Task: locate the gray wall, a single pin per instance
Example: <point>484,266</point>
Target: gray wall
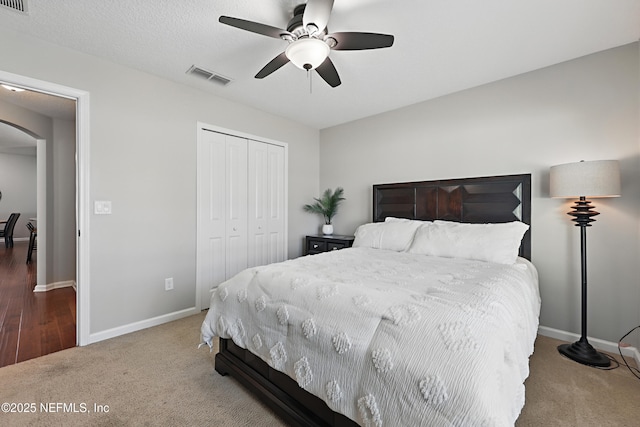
<point>585,109</point>
<point>143,159</point>
<point>63,194</point>
<point>18,186</point>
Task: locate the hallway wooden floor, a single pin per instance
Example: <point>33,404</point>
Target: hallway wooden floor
<point>32,324</point>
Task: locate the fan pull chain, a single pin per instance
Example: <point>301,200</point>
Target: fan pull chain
<point>310,78</point>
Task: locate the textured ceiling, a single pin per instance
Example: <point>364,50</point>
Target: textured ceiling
<point>441,46</point>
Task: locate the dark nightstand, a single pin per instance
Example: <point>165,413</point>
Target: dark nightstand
<point>325,243</point>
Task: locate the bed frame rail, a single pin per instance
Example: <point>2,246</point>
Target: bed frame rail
<point>295,405</point>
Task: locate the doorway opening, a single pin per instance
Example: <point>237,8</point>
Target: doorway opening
<point>80,197</point>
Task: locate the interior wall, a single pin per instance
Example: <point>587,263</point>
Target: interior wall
<point>143,160</point>
<point>585,109</point>
<point>18,187</point>
<point>63,243</point>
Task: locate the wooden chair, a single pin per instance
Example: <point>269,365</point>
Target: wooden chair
<point>7,233</point>
<point>33,241</point>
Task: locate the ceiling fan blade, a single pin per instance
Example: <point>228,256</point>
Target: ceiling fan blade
<point>361,41</point>
<point>272,66</point>
<point>329,73</point>
<point>254,27</point>
<point>317,13</point>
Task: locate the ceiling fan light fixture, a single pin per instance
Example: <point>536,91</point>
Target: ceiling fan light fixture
<point>307,53</point>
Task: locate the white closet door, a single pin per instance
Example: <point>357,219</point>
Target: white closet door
<point>211,252</point>
<point>241,207</point>
<point>276,199</point>
<point>258,204</point>
<point>236,204</point>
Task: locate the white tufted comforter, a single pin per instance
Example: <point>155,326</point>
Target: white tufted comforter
<point>390,338</point>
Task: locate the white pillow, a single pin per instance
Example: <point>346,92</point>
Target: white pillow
<point>497,243</point>
<point>391,235</point>
<point>395,219</point>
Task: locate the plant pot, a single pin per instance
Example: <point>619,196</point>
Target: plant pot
<point>327,229</point>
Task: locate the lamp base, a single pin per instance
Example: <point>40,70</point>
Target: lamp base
<point>582,352</point>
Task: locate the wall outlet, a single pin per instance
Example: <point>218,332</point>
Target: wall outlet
<point>168,283</point>
<point>102,207</point>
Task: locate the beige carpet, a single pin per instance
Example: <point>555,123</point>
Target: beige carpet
<point>561,392</point>
<point>157,377</point>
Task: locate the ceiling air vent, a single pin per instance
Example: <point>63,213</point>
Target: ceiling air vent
<point>208,75</point>
<point>15,5</point>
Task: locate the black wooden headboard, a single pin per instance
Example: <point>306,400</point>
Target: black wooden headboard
<point>476,200</point>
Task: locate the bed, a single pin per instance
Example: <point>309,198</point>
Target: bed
<point>411,333</point>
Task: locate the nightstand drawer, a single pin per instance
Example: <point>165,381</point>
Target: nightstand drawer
<point>314,246</point>
<point>333,246</point>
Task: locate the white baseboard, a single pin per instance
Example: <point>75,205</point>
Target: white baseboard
<point>598,344</point>
<point>56,285</point>
<point>143,324</point>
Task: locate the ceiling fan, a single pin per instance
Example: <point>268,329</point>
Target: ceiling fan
<point>309,40</point>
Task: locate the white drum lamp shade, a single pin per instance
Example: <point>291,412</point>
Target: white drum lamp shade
<point>600,178</point>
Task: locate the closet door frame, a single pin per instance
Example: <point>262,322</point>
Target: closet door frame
<point>204,127</point>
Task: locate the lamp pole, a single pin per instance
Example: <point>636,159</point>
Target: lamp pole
<point>581,351</point>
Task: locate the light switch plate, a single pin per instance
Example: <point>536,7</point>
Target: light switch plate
<point>102,207</point>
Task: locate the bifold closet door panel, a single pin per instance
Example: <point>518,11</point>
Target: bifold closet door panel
<point>212,214</point>
<point>258,190</point>
<point>236,205</point>
<point>266,203</point>
<point>276,214</point>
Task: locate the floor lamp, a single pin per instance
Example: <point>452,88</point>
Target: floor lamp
<point>599,178</point>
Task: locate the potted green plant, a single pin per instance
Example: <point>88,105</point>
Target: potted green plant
<point>327,206</point>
